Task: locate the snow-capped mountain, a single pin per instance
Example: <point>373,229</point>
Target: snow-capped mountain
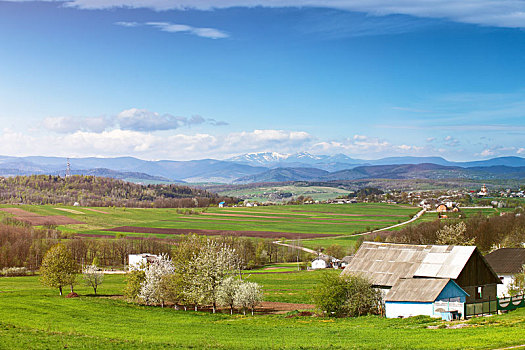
<point>301,159</point>
<point>260,158</point>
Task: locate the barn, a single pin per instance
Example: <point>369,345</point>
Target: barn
<point>407,266</point>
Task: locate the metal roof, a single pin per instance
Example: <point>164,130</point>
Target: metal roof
<point>386,263</point>
<point>506,260</point>
<point>417,289</point>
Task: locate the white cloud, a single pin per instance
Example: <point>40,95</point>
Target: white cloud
<point>487,152</point>
<point>130,119</point>
<point>127,24</point>
<point>360,145</point>
<point>72,124</point>
<point>520,151</point>
<point>502,13</point>
<point>150,145</point>
<point>210,33</point>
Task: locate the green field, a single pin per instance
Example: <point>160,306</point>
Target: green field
<point>317,218</point>
<point>271,193</point>
<point>34,317</point>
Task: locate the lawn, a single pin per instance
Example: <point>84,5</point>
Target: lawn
<point>34,317</point>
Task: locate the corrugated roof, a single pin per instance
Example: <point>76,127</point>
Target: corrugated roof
<point>417,289</point>
<point>386,263</point>
<point>506,260</point>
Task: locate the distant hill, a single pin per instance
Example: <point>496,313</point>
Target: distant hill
<point>266,166</point>
<point>401,171</point>
<point>101,192</point>
<point>284,174</point>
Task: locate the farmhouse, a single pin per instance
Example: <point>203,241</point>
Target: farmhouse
<point>140,261</point>
<point>506,262</point>
<point>320,263</point>
<point>424,296</point>
<point>403,269</point>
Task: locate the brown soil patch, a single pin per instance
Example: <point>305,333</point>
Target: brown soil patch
<point>181,231</point>
<point>96,211</point>
<point>18,212</point>
<point>39,220</point>
<point>49,220</point>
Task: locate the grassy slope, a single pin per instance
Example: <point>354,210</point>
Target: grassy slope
<point>302,219</point>
<point>351,240</point>
<point>36,317</point>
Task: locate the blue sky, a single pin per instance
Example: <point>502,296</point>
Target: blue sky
<point>160,79</point>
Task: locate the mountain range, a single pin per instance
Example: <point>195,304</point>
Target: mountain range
<point>268,167</point>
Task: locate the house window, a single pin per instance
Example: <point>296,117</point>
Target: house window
<point>479,292</point>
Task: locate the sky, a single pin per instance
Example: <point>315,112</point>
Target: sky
<point>187,79</point>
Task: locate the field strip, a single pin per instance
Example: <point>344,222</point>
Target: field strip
<point>71,211</point>
<point>19,212</point>
<point>308,221</point>
<point>96,211</point>
<point>296,213</point>
<point>180,231</point>
<point>417,216</point>
<point>233,221</point>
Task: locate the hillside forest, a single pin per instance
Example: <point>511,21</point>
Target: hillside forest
<point>102,192</point>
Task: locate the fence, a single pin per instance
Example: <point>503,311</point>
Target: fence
<point>493,306</point>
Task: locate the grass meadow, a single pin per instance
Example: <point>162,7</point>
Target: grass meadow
<point>316,219</point>
<point>36,317</point>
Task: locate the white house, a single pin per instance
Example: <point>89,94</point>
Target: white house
<point>221,204</point>
<point>140,261</point>
<point>506,262</point>
<point>319,263</point>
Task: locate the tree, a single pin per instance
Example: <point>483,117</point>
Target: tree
<point>93,276</point>
<point>227,292</point>
<point>454,235</point>
<point>209,267</point>
<point>347,295</point>
<point>172,289</point>
<point>134,279</point>
<point>248,296</point>
<point>518,284</point>
<point>58,268</point>
<point>151,290</point>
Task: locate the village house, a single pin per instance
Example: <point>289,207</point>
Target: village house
<point>506,262</point>
<point>416,279</point>
<point>140,261</point>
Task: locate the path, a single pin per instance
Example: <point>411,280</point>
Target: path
<point>308,250</point>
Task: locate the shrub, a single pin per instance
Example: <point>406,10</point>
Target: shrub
<point>347,295</point>
<point>13,271</point>
<point>134,279</point>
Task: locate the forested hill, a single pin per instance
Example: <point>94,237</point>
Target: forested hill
<point>101,192</point>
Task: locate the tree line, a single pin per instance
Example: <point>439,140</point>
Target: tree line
<point>102,192</point>
<point>487,233</point>
<point>24,246</point>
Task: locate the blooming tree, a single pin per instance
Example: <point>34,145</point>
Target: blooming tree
<point>248,296</point>
<point>227,291</point>
<point>210,266</point>
<point>92,276</point>
<point>152,290</point>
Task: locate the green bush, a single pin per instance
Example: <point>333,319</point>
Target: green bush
<point>347,295</point>
<point>133,279</point>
